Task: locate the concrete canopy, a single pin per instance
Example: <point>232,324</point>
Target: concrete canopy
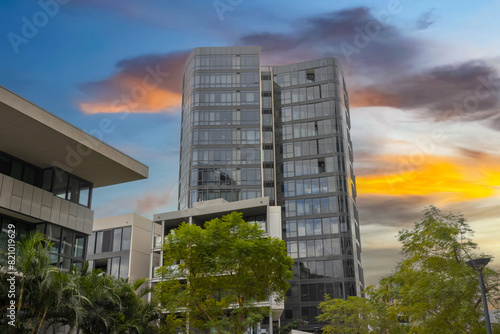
<point>36,136</point>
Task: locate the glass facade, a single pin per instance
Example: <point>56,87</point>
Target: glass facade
<point>282,132</point>
<point>221,134</point>
<point>315,183</point>
<point>60,183</point>
<point>110,251</point>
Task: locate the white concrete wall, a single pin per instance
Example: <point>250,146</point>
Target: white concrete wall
<point>140,243</point>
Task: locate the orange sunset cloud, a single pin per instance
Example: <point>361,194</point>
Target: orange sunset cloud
<point>141,98</point>
<point>456,179</point>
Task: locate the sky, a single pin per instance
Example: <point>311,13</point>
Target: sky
<point>423,81</point>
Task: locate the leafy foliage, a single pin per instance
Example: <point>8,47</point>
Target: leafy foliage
<point>86,301</point>
<point>288,327</point>
<point>215,275</point>
<point>432,288</point>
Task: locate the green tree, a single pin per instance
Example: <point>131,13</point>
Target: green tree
<point>432,285</point>
<point>432,288</point>
<point>354,315</point>
<point>44,295</point>
<point>115,305</point>
<point>213,276</point>
<point>88,301</point>
<point>358,315</point>
<point>290,326</point>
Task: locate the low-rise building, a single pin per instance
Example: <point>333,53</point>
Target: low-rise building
<point>121,245</point>
<point>254,210</point>
<point>48,171</point>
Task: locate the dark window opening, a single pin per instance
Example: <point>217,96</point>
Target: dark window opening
<point>310,76</point>
<point>321,166</point>
<point>67,186</point>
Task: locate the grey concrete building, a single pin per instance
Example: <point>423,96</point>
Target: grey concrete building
<point>48,170</point>
<point>121,246</point>
<point>282,132</point>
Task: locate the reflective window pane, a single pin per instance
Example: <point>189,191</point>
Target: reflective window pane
<point>117,238</point>
<point>126,238</point>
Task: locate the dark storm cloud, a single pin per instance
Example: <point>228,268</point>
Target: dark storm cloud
<point>370,48</point>
<point>270,42</point>
<point>364,42</point>
<point>469,90</point>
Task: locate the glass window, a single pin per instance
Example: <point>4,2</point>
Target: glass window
<point>304,293</point>
<point>115,266</point>
<point>40,228</point>
<point>67,243</point>
<point>117,238</point>
<point>338,290</point>
<point>327,247</point>
<point>302,248</point>
<point>337,269</point>
<point>333,203</point>
<point>316,206</point>
<point>73,190</point>
<point>98,242</point>
<point>54,231</point>
<point>300,207</point>
<point>300,187</point>
<point>29,175</point>
<point>292,249</point>
<point>91,245</point>
<point>47,179</point>
<point>324,205</point>
<point>310,248</point>
<point>107,241</point>
<point>334,221</point>
<point>66,263</point>
<point>308,206</point>
<point>318,246</point>
<point>315,186</point>
<point>336,246</point>
<point>301,228</point>
<point>307,186</point>
<point>291,229</point>
<point>84,198</point>
<point>312,269</point>
<point>326,225</point>
<point>17,170</point>
<point>313,293</point>
<point>79,246</point>
<point>309,227</point>
<point>124,266</point>
<point>4,164</point>
<point>317,226</point>
<point>320,272</point>
<point>126,238</point>
<point>329,272</point>
<point>60,184</point>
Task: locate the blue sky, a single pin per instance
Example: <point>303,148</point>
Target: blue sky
<point>423,86</point>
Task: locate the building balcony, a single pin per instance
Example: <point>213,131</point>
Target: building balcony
<point>38,205</point>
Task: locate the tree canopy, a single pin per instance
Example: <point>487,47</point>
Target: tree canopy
<point>432,289</point>
<point>85,301</point>
<point>213,276</point>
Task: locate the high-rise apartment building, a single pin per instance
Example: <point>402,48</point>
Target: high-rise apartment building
<point>281,132</point>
